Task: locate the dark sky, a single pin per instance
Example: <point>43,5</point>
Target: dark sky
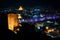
<point>15,3</point>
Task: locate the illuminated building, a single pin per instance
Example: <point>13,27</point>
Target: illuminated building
<point>20,8</point>
<point>12,21</point>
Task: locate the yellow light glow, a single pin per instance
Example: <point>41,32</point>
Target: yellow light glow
<point>18,29</point>
<point>19,16</point>
<point>49,31</point>
<point>47,27</point>
<point>20,8</point>
<point>12,21</point>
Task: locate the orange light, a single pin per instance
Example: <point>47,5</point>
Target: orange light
<point>49,31</point>
<point>12,21</point>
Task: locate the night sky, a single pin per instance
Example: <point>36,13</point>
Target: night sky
<point>15,3</point>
